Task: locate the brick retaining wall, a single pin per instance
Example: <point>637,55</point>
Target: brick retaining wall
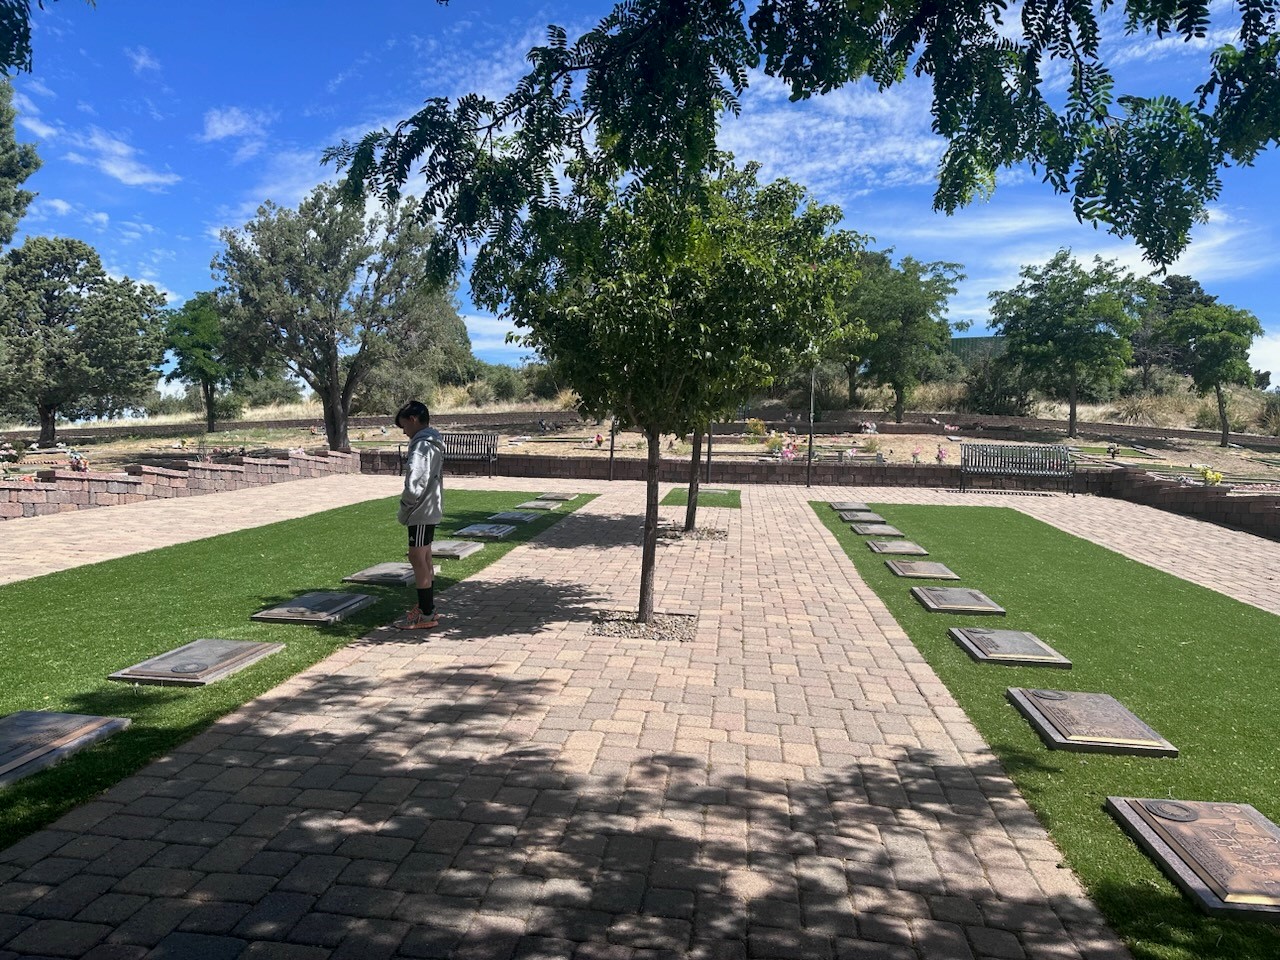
<point>60,490</point>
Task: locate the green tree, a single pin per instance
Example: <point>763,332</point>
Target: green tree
<point>80,344</point>
<point>904,308</point>
<point>1154,344</point>
<point>17,162</point>
<point>666,309</point>
<point>329,290</point>
<point>205,350</point>
<point>436,350</point>
<point>647,86</point>
<point>1066,326</point>
<point>1217,339</point>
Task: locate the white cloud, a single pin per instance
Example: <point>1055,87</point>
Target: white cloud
<point>219,124</point>
<point>118,160</point>
<point>23,103</point>
<point>60,207</point>
<point>489,334</point>
<point>37,86</point>
<point>142,60</point>
<point>98,219</point>
<point>1265,355</point>
<point>85,107</point>
<point>38,127</point>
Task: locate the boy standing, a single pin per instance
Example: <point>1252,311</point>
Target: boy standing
<point>421,507</point>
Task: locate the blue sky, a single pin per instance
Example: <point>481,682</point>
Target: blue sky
<point>160,123</point>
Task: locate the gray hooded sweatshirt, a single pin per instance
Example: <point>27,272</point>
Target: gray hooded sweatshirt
<point>422,503</point>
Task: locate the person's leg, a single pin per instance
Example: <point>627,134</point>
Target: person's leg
<point>423,614</point>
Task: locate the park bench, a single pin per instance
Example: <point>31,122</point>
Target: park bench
<point>986,459</point>
<point>466,446</point>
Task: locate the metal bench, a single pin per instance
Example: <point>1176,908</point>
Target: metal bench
<point>979,459</point>
<point>465,446</point>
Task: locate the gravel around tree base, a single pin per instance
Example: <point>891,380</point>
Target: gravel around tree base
<point>698,533</point>
<point>677,627</point>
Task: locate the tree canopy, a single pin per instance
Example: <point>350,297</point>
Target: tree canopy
<point>18,161</point>
<point>645,90</point>
<point>1217,339</point>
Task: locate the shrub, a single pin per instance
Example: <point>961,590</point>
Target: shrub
<point>1142,410</point>
<point>996,388</point>
<point>756,427</point>
<point>480,392</point>
<point>1269,416</point>
<point>1206,418</point>
<point>871,446</point>
<point>506,384</point>
<point>774,442</point>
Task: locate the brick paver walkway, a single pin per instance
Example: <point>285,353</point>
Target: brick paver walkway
<point>794,782</point>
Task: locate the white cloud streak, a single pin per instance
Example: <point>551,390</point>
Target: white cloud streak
<point>118,160</point>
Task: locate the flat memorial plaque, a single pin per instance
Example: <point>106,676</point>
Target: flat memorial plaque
<point>842,505</point>
<point>1014,648</point>
<point>538,505</point>
<point>1225,856</point>
<point>903,548</point>
<point>1088,723</point>
<point>197,663</point>
<point>876,530</point>
<point>921,569</point>
<point>516,516</point>
<point>318,607</point>
<point>860,516</point>
<point>956,600</point>
<point>487,531</point>
<point>31,740</point>
<point>385,574</point>
<point>455,549</point>
<point>562,497</point>
<point>715,491</point>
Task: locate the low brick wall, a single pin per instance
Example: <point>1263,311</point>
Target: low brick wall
<point>1257,513</point>
<point>60,490</point>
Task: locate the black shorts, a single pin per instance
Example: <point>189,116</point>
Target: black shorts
<point>421,536</point>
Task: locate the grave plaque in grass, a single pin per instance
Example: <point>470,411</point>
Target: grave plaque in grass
<point>384,574</point>
<point>488,531</point>
<point>31,740</point>
<point>715,491</point>
<point>860,516</point>
<point>842,505</point>
<point>921,570</point>
<point>956,600</point>
<point>876,530</point>
<point>538,505</point>
<point>903,548</point>
<point>1014,648</point>
<point>1225,856</point>
<point>515,516</point>
<point>1088,723</point>
<point>197,663</point>
<point>455,549</point>
<point>562,497</point>
<point>318,607</point>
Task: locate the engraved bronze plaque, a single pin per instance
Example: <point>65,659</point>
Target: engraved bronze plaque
<point>197,663</point>
<point>860,516</point>
<point>487,531</point>
<point>876,530</point>
<point>956,600</point>
<point>31,740</point>
<point>515,516</point>
<point>1225,856</point>
<point>562,497</point>
<point>715,491</point>
<point>921,569</point>
<point>455,549</point>
<point>842,505</point>
<point>538,505</point>
<point>1088,723</point>
<point>1008,647</point>
<point>321,606</point>
<point>903,548</point>
<point>385,574</point>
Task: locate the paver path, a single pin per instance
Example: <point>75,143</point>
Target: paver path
<point>794,782</point>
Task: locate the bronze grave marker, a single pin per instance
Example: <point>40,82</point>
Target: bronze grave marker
<point>516,516</point>
<point>860,516</point>
<point>921,569</point>
<point>876,530</point>
<point>538,505</point>
<point>841,505</point>
<point>488,531</point>
<point>384,574</point>
<point>1225,856</point>
<point>455,549</point>
<point>1088,723</point>
<point>317,607</point>
<point>31,740</point>
<point>1015,648</point>
<point>903,548</point>
<point>197,663</point>
<point>956,600</point>
<point>562,497</point>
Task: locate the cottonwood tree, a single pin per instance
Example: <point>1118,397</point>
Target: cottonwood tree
<point>1067,326</point>
<point>18,161</point>
<point>79,343</point>
<point>329,289</point>
<point>904,309</point>
<point>1217,339</point>
<point>648,84</point>
<point>664,309</point>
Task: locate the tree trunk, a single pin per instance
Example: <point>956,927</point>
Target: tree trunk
<point>1222,413</point>
<point>206,388</point>
<point>1146,377</point>
<point>47,415</point>
<point>691,511</point>
<point>335,419</point>
<point>899,403</point>
<point>852,370</point>
<point>649,553</point>
<point>1071,419</point>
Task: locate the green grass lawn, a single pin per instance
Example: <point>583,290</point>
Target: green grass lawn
<point>679,497</point>
<point>1200,668</point>
<point>61,634</point>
